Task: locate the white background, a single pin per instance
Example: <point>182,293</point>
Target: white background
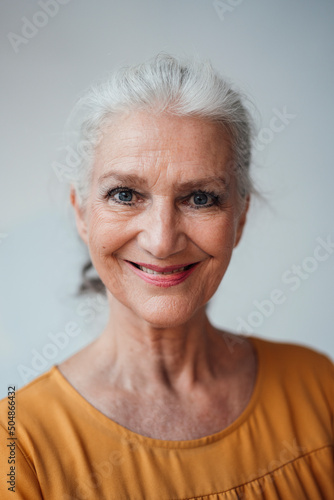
<point>278,52</point>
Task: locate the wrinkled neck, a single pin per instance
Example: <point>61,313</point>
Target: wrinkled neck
<point>139,356</point>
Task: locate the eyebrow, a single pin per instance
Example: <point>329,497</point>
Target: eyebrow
<point>188,185</point>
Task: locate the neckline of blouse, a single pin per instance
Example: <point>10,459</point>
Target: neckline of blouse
<point>133,437</point>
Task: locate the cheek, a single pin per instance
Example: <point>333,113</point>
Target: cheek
<point>215,236</point>
<point>216,240</point>
<point>107,233</point>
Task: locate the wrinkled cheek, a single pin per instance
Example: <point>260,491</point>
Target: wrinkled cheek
<point>115,283</point>
<point>221,254</point>
<point>217,239</point>
<point>216,276</point>
<point>102,247</point>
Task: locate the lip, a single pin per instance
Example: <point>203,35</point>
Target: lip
<point>162,280</point>
<point>159,269</point>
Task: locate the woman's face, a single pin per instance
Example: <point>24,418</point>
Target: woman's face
<point>162,195</point>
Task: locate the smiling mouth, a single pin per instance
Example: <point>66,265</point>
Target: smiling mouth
<point>151,271</point>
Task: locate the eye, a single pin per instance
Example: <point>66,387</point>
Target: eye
<point>200,199</point>
<point>124,195</point>
<point>203,199</point>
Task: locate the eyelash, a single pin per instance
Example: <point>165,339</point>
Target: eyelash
<point>119,189</point>
<point>215,198</point>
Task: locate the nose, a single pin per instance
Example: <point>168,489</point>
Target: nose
<point>161,232</point>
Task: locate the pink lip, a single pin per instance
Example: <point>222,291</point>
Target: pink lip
<point>165,269</point>
<point>166,280</point>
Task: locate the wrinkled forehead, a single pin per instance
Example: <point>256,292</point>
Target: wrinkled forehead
<point>164,146</point>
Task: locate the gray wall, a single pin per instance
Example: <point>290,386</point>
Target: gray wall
<point>279,52</point>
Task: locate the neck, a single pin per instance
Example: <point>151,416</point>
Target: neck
<point>137,356</point>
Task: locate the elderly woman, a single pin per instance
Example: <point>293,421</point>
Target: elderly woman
<point>163,405</point>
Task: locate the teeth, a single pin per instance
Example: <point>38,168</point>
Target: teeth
<point>150,271</point>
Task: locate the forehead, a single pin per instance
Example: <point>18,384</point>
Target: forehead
<point>145,143</point>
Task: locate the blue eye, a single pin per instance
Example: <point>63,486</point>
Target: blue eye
<point>204,199</point>
<point>200,199</point>
<point>125,196</point>
<point>121,195</point>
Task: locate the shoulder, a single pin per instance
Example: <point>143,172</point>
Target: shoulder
<point>295,363</point>
<point>298,377</point>
<point>294,356</point>
<point>38,397</point>
<point>47,410</point>
<point>29,425</point>
<point>280,356</point>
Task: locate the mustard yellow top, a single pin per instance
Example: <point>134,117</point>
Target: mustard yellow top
<point>280,447</point>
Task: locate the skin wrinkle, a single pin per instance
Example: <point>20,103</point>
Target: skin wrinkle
<point>157,151</point>
<point>218,180</point>
<point>158,344</point>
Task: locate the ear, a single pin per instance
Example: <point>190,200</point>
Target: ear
<point>241,221</point>
<point>79,216</point>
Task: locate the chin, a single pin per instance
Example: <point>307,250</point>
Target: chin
<point>167,312</point>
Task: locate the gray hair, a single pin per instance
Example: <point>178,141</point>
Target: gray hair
<point>164,84</point>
